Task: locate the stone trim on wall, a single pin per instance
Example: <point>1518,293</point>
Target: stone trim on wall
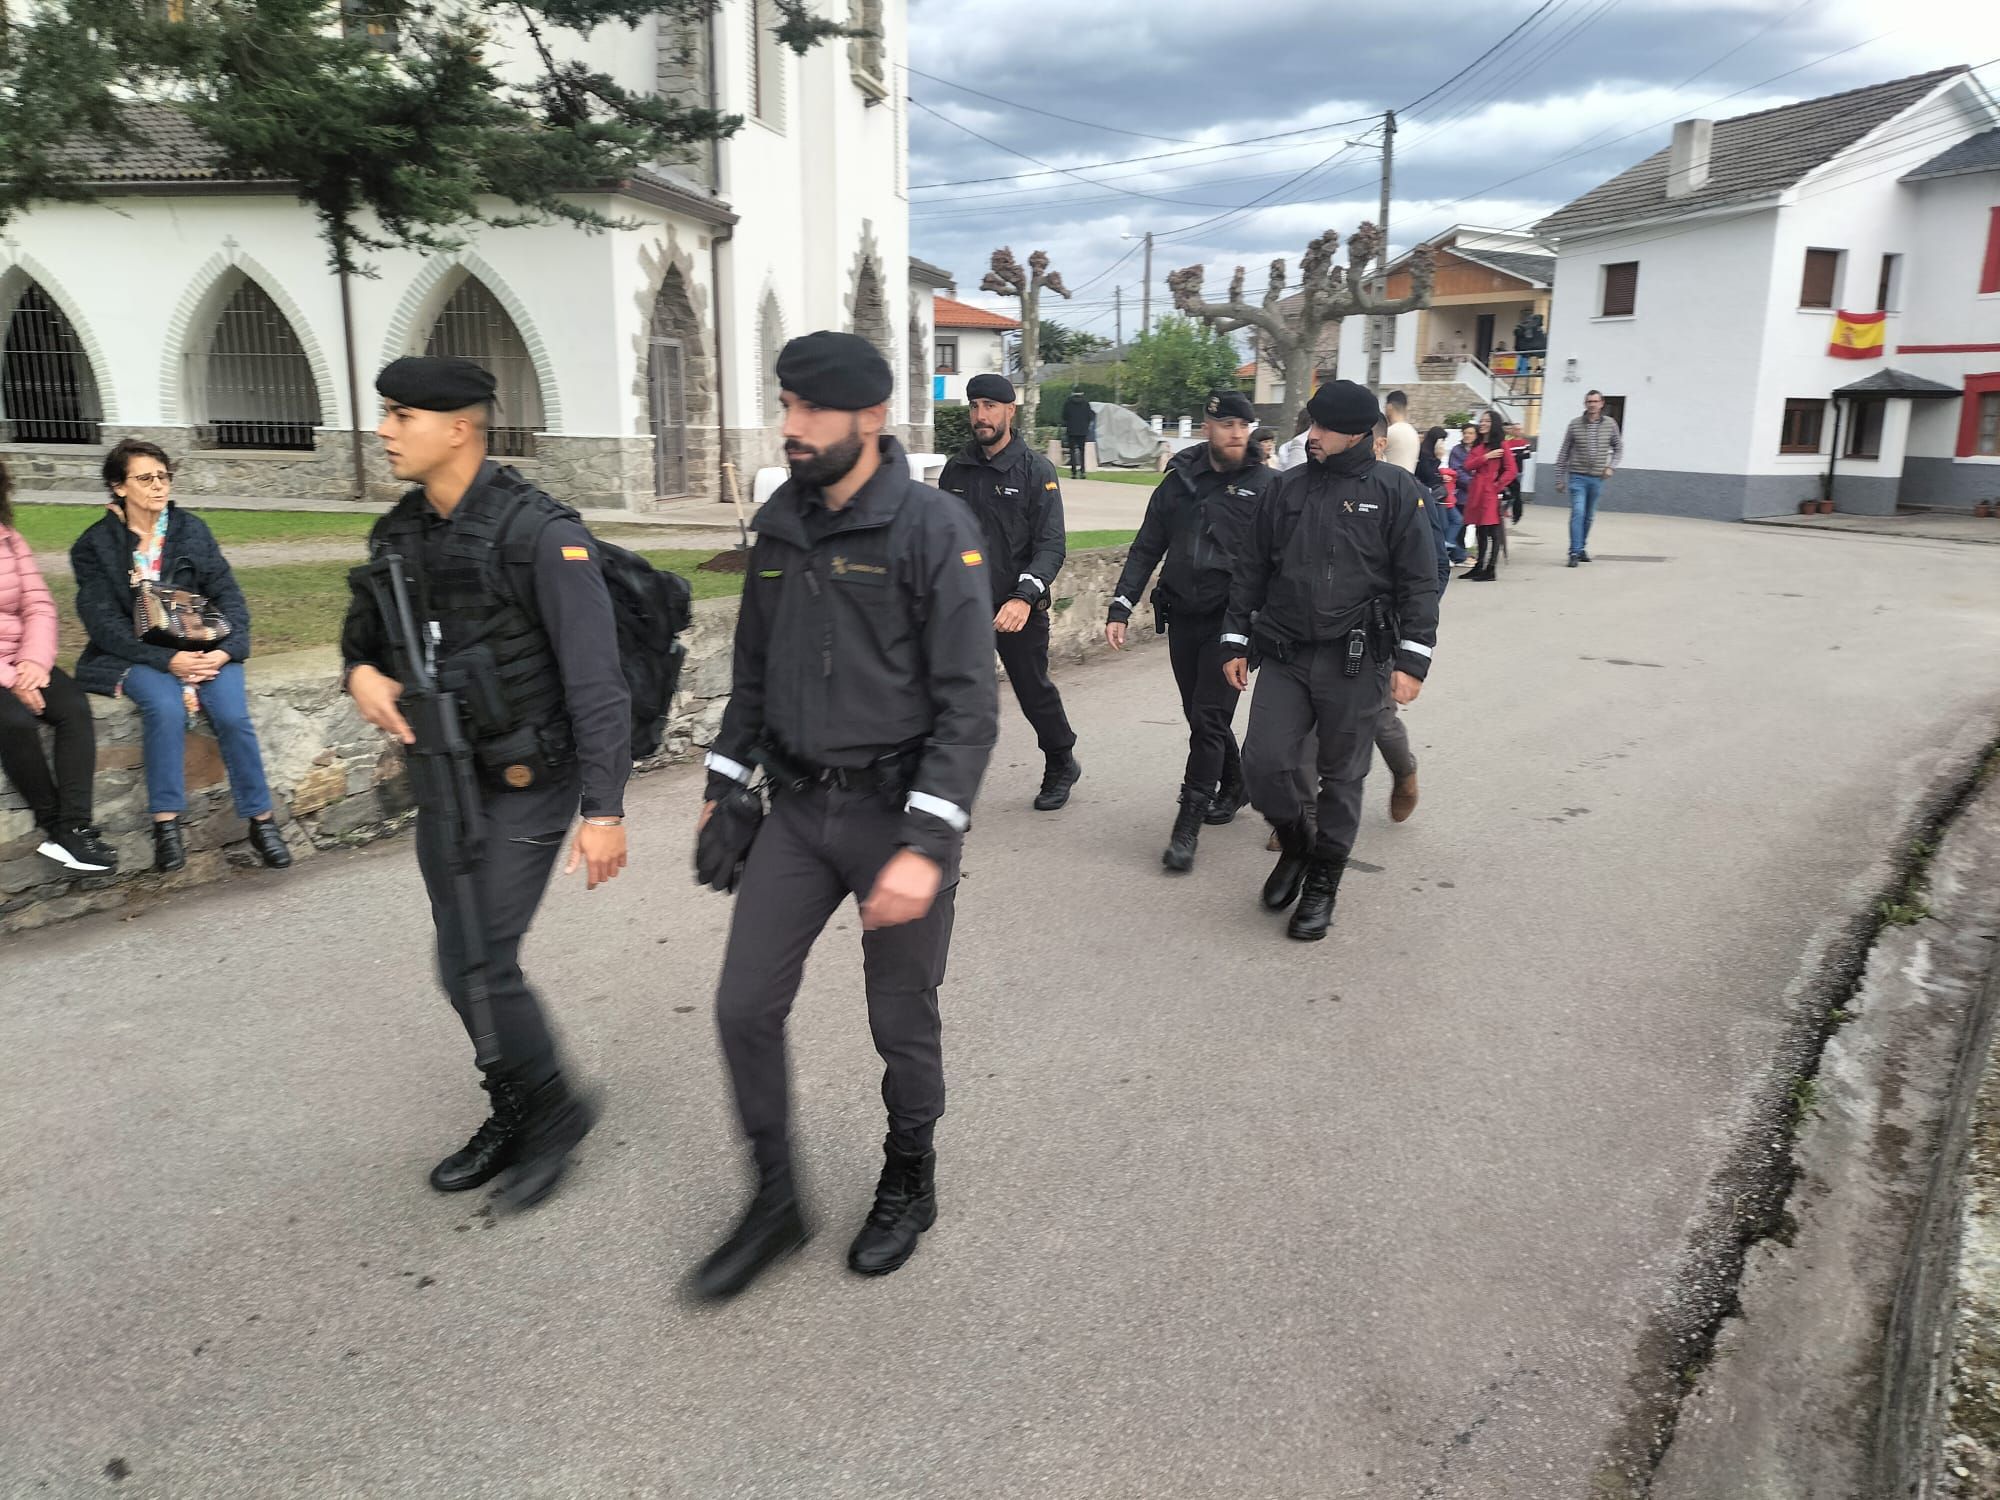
<point>30,269</point>
<point>202,297</point>
<point>338,782</point>
<point>427,294</point>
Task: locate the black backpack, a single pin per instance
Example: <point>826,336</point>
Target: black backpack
<point>652,608</point>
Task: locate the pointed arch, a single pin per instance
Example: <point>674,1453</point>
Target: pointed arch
<point>191,328</point>
<point>868,297</point>
<point>473,325</point>
<point>770,343</point>
<point>22,271</point>
<point>48,389</point>
<point>920,372</point>
<point>434,285</point>
<point>676,382</point>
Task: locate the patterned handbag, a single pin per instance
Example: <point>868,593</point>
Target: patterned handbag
<point>179,618</point>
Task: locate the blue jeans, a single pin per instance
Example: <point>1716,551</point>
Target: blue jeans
<point>1583,492</point>
<point>163,719</point>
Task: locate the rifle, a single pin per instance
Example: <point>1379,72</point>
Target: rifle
<point>443,782</point>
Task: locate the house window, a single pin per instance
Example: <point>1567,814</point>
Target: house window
<point>1889,288</point>
<point>1621,289</point>
<point>1821,282</point>
<point>1614,408</point>
<point>767,65</point>
<point>1864,427</point>
<point>1979,422</point>
<point>370,21</point>
<point>1801,429</point>
<point>1989,275</point>
<point>947,357</point>
<point>865,53</point>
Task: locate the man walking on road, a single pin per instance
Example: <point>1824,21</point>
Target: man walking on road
<point>1198,520</point>
<point>863,680</point>
<point>1015,498</point>
<point>1592,448</point>
<point>516,614</point>
<point>1336,596</point>
<point>1078,416</point>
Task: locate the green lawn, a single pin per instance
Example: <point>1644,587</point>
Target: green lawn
<point>1080,541</point>
<point>51,528</point>
<point>1147,477</point>
<point>294,606</point>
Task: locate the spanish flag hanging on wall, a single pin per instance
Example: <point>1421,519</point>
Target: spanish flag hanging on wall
<point>1857,335</point>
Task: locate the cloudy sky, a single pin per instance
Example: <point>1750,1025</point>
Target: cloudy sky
<point>1260,100</point>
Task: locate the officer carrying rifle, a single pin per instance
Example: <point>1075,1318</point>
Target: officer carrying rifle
<point>484,613</point>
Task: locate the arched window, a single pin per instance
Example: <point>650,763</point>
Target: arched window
<point>770,344</point>
<point>676,382</point>
<point>473,325</point>
<point>252,385</point>
<point>48,392</point>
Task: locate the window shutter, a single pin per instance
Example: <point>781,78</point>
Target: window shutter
<point>1621,289</point>
<point>1989,275</point>
<point>1816,287</point>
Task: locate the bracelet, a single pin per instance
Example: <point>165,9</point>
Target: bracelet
<point>617,822</point>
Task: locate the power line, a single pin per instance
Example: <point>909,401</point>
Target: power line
<point>1049,113</point>
<point>1425,98</point>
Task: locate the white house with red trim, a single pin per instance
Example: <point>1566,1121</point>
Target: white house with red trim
<point>966,341</point>
<point>1799,298</point>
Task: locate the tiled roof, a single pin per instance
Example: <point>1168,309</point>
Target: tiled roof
<point>951,313</point>
<point>1751,157</point>
<point>167,147</point>
<point>1536,269</point>
<point>1893,382</point>
<point>1979,153</point>
<point>1247,372</point>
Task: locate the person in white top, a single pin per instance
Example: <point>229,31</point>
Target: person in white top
<point>1293,453</point>
<point>1403,442</point>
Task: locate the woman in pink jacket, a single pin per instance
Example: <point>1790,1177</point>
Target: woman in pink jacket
<point>34,691</point>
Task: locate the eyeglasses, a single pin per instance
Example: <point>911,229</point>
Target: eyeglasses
<point>163,477</point>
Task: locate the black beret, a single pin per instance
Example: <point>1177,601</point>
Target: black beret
<point>840,371</point>
<point>1342,406</point>
<point>432,384</point>
<point>990,388</point>
<point>1223,405</point>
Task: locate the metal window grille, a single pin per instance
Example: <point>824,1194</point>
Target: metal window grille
<point>666,392</point>
<point>473,325</point>
<point>371,21</point>
<point>254,387</point>
<point>48,393</point>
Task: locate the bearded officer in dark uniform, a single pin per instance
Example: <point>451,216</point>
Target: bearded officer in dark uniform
<point>1017,500</point>
<point>506,585</point>
<point>864,682</point>
<point>1336,595</point>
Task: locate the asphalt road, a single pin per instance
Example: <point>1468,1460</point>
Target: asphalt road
<point>1222,1215</point>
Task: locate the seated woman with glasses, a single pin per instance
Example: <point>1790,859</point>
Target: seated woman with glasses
<point>146,538</point>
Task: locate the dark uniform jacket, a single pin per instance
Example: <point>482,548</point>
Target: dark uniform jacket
<point>101,561</point>
<point>866,632</point>
<point>1329,540</point>
<point>560,586</point>
<point>1199,520</point>
<point>1018,504</point>
<point>1078,416</point>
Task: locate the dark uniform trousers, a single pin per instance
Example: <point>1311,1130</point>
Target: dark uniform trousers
<point>816,848</point>
<point>1025,655</point>
<point>1194,646</point>
<point>524,834</point>
<point>1306,700</point>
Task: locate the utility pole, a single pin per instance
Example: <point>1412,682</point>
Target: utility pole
<point>1118,344</point>
<point>1146,291</point>
<point>1377,327</point>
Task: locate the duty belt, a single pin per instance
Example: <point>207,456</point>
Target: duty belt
<point>887,773</point>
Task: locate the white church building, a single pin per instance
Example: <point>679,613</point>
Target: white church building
<point>202,313</point>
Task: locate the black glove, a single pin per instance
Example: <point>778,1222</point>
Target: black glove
<point>723,845</point>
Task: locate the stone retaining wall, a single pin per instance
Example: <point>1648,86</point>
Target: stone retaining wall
<point>338,782</point>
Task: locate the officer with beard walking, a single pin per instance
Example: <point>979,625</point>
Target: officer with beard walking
<point>864,684</point>
<point>1014,495</point>
<point>1198,520</point>
<point>1336,595</point>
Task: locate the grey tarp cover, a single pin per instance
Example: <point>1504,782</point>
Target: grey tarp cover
<point>1123,439</point>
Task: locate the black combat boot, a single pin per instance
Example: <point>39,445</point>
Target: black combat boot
<point>1230,797</point>
<point>1315,909</point>
<point>269,843</point>
<point>493,1145</point>
<point>771,1228</point>
<point>170,851</point>
<point>1061,773</point>
<point>1187,829</point>
<point>1281,887</point>
<point>554,1122</point>
<point>905,1206</point>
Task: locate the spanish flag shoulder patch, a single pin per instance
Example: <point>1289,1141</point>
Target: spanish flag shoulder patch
<point>971,559</point>
<point>1050,485</point>
<point>576,554</point>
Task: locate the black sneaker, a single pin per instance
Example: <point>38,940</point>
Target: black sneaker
<point>1583,557</point>
<point>79,847</point>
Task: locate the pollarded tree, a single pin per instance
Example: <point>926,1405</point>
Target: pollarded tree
<point>1009,280</point>
<point>1290,327</point>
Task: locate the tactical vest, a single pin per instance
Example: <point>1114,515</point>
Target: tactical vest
<point>472,591</point>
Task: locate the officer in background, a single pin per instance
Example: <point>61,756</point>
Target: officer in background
<point>864,682</point>
<point>526,625</point>
<point>1018,504</point>
<point>1337,596</point>
<point>1198,520</point>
